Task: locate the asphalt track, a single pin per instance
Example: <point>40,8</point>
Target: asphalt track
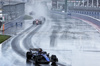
<point>15,43</point>
<point>27,42</point>
<point>30,32</point>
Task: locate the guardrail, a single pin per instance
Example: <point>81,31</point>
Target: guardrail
<point>13,11</point>
<point>90,11</point>
<point>93,21</point>
<point>13,22</point>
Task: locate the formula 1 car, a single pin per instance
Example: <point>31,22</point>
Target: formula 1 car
<point>37,56</point>
<point>38,21</point>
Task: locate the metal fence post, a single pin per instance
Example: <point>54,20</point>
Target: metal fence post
<point>65,5</point>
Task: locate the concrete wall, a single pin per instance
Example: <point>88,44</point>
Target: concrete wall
<point>94,22</point>
<point>84,8</point>
<point>13,13</point>
<point>90,11</point>
<point>86,13</point>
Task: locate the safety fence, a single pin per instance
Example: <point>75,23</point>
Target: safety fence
<point>12,13</point>
<point>90,11</point>
<point>91,20</point>
<point>13,22</point>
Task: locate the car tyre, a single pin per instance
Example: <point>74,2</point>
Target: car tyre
<point>28,55</point>
<point>33,22</point>
<point>54,58</point>
<point>40,22</point>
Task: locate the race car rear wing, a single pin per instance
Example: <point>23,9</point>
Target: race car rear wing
<point>35,49</point>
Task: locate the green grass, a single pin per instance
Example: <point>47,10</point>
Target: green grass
<point>3,38</point>
<point>27,17</point>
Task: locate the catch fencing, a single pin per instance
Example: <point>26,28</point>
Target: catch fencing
<point>12,13</point>
<point>90,11</point>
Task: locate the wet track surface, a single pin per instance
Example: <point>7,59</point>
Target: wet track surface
<point>16,44</point>
<point>27,43</point>
<point>28,34</point>
<point>56,36</point>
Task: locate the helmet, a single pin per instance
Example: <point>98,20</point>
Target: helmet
<point>40,50</point>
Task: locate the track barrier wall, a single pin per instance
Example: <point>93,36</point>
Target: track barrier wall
<point>90,11</point>
<point>80,15</point>
<point>13,13</point>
